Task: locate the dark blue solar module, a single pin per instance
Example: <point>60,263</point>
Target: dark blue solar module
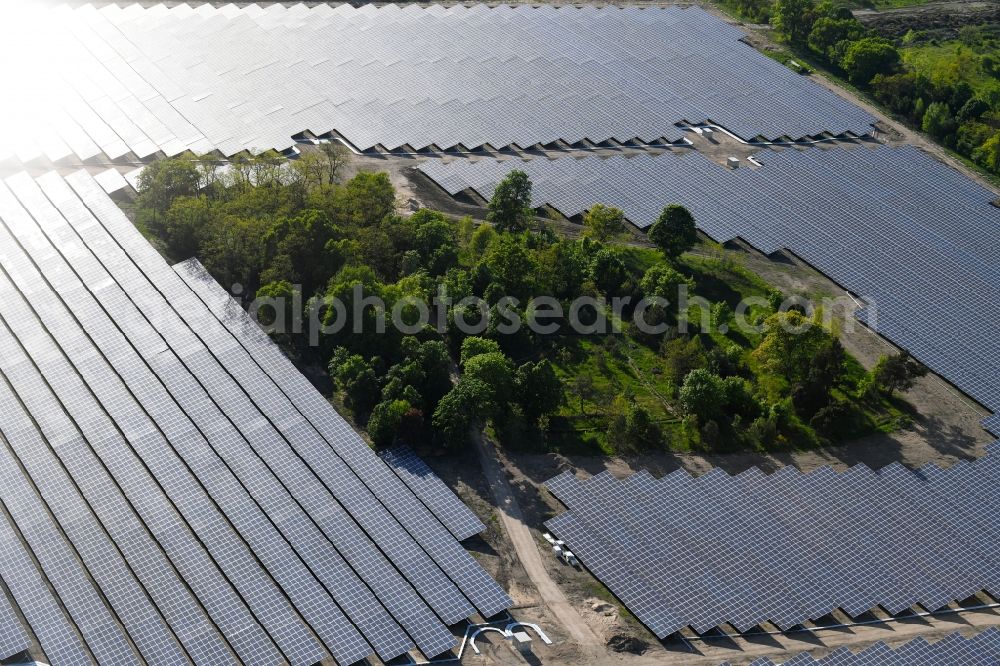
<point>167,501</point>
<point>785,547</point>
<point>912,237</point>
<point>982,649</point>
<point>426,485</point>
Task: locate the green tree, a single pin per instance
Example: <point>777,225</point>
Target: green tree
<point>510,207</point>
<point>465,406</point>
<point>630,427</point>
<point>511,266</point>
<point>827,33</point>
<point>938,121</point>
<point>988,154</point>
<point>357,379</point>
<point>704,395</point>
<point>663,281</point>
<point>867,57</point>
<point>539,391</point>
<point>608,271</point>
<point>898,372</point>
<point>497,372</point>
<point>793,19</point>
<point>303,251</point>
<point>383,424</point>
<point>164,180</point>
<point>434,237</point>
<point>235,251</point>
<point>791,341</point>
<point>674,232</point>
<point>185,223</point>
<point>368,198</point>
<point>474,346</point>
<point>602,223</point>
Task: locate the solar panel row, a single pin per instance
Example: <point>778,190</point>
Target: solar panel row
<point>130,80</point>
<point>426,485</point>
<point>893,225</point>
<point>164,498</point>
<point>982,649</point>
<point>785,547</point>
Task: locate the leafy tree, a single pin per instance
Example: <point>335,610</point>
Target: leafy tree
<point>184,224</point>
<point>704,395</point>
<point>304,251</point>
<point>434,237</point>
<point>663,281</point>
<point>631,428</point>
<point>474,346</point>
<point>898,372</point>
<point>790,343</point>
<point>602,223</point>
<point>988,154</point>
<point>867,57</point>
<point>538,389</point>
<point>674,232</point>
<point>480,241</point>
<point>357,379</point>
<point>793,19</point>
<point>971,135</point>
<point>497,372</point>
<point>608,271</point>
<point>973,108</point>
<point>938,121</point>
<point>368,198</point>
<point>236,251</point>
<point>681,356</point>
<point>833,420</point>
<point>827,370</point>
<point>465,406</point>
<point>383,424</point>
<point>510,207</point>
<point>827,33</point>
<point>164,180</point>
<point>511,266</point>
<point>433,358</point>
<point>281,295</point>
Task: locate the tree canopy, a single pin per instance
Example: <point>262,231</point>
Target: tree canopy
<point>674,232</point>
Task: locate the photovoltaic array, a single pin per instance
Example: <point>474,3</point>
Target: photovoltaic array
<point>415,473</point>
<point>174,491</point>
<point>123,81</point>
<point>982,649</point>
<point>910,235</point>
<point>785,547</point>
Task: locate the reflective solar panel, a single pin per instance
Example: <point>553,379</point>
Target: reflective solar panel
<point>131,82</point>
<point>177,513</point>
<point>784,547</point>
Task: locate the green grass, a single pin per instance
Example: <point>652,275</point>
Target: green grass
<point>949,62</point>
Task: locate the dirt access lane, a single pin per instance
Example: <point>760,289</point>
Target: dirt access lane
<point>527,550</point>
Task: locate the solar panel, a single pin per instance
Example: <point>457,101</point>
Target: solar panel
<point>784,547</point>
<point>175,512</point>
<point>426,485</point>
<point>136,81</point>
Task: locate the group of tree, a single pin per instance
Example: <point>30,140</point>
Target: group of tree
<point>940,103</point>
<point>301,233</point>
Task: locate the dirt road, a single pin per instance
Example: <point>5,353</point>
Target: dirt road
<point>520,536</point>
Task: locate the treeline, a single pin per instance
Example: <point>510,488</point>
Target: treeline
<point>946,107</point>
<point>299,233</point>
